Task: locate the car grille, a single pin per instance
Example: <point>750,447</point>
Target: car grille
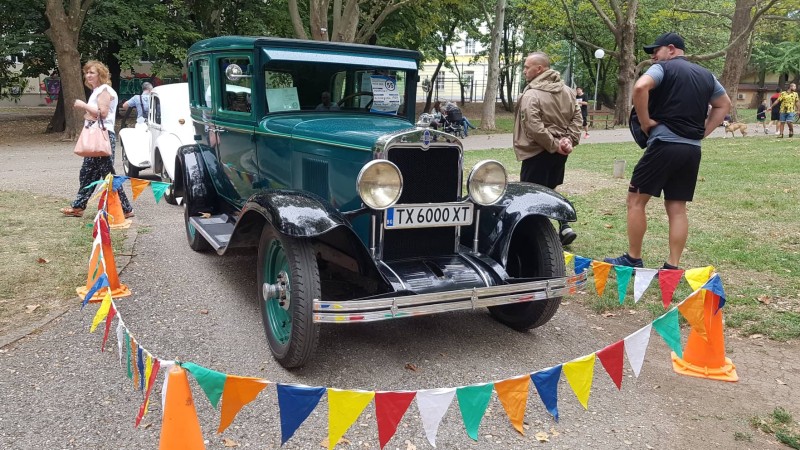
<point>429,176</point>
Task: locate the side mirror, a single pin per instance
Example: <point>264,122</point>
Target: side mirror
<point>233,73</point>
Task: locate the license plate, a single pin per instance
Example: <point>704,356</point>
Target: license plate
<point>427,216</point>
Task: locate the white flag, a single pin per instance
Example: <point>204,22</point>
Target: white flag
<point>433,404</point>
<point>164,366</point>
<point>641,281</point>
<point>636,346</point>
<point>120,338</point>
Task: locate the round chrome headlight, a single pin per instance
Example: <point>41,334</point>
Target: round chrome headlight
<point>487,182</point>
<point>379,184</point>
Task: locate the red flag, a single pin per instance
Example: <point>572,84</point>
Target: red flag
<point>611,357</point>
<point>111,313</point>
<point>151,382</point>
<point>668,281</point>
<point>389,410</point>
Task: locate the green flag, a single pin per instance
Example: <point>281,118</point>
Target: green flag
<point>623,278</point>
<point>158,188</point>
<point>472,401</point>
<point>211,381</point>
<point>667,326</point>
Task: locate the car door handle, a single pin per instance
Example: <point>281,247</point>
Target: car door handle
<point>221,130</point>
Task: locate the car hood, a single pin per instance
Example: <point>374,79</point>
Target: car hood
<point>359,130</point>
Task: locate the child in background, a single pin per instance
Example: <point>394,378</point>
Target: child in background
<point>761,116</point>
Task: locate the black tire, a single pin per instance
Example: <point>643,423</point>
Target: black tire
<point>535,251</point>
<point>196,240</point>
<point>169,194</point>
<point>129,169</point>
<point>288,319</point>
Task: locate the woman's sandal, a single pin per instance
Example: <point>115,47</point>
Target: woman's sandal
<point>129,214</point>
<point>72,212</point>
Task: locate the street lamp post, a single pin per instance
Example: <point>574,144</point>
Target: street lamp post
<point>599,53</point>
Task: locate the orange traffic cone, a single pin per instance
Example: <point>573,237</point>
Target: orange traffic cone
<point>96,269</point>
<point>116,218</point>
<point>706,358</point>
<point>180,429</point>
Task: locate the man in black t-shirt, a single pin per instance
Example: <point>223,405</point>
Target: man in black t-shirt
<point>580,99</point>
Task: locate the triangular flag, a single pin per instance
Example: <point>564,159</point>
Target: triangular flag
<point>101,282</point>
<point>344,407</point>
<point>93,184</point>
<point>472,401</point>
<point>698,277</point>
<point>109,318</point>
<point>118,181</point>
<point>623,278</point>
<point>165,366</point>
<point>611,357</point>
<point>295,404</point>
<point>432,405</point>
<point>150,382</point>
<point>581,264</point>
<point>546,382</point>
<point>513,395</point>
<point>102,311</point>
<point>128,354</point>
<point>669,329</point>
<point>579,373</point>
<point>641,281</point>
<point>693,310</point>
<point>238,391</point>
<point>120,339</point>
<point>569,259</point>
<point>140,365</point>
<point>211,381</point>
<point>148,368</point>
<point>668,281</point>
<point>158,189</point>
<point>636,347</point>
<point>137,186</point>
<point>715,285</point>
<point>133,362</point>
<point>601,270</point>
<point>389,410</point>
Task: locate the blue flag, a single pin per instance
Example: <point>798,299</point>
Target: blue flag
<point>295,404</point>
<point>118,181</point>
<point>581,264</point>
<point>102,281</point>
<point>140,366</point>
<point>715,285</point>
<point>546,382</point>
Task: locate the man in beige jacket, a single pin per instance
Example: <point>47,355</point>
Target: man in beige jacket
<point>546,128</point>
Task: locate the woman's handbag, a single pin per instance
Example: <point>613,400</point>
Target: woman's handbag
<point>93,141</point>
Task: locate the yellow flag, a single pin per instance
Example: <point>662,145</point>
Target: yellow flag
<point>579,373</point>
<point>237,392</point>
<point>102,311</point>
<point>137,186</point>
<point>513,395</point>
<point>698,277</point>
<point>344,407</point>
<point>693,310</point>
<point>600,275</point>
<point>568,259</point>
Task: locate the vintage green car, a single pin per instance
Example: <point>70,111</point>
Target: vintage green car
<point>309,151</point>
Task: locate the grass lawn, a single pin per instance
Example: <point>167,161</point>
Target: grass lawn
<point>743,222</point>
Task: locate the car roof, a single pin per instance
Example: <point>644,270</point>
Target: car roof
<point>252,42</point>
<point>174,101</point>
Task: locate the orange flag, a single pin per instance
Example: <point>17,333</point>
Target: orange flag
<point>238,391</point>
<point>601,270</point>
<point>513,395</point>
<point>137,186</point>
<point>692,310</point>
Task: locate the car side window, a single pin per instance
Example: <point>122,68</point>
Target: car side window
<point>236,93</point>
<point>281,91</point>
<point>155,107</point>
<point>203,83</point>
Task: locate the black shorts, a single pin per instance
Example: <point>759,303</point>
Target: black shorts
<point>545,168</point>
<point>775,114</point>
<point>583,114</point>
<point>667,166</point>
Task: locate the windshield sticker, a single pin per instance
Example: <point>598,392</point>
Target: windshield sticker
<point>283,99</point>
<point>386,97</point>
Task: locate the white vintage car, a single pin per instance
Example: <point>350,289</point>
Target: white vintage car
<point>154,145</point>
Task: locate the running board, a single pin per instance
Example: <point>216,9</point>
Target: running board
<point>215,229</point>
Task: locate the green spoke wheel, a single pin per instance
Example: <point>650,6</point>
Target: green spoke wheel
<point>288,283</point>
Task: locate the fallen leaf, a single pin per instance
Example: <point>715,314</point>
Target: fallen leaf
<point>412,367</point>
<point>756,336</point>
<point>410,446</point>
<point>607,213</point>
<point>780,382</point>
<point>786,191</point>
<point>205,215</point>
<point>608,314</point>
<point>229,443</point>
<point>553,432</point>
<point>597,328</point>
<point>324,442</point>
<point>42,261</point>
<point>631,311</point>
<point>32,308</point>
<point>608,225</point>
<point>765,299</point>
<point>203,311</point>
<point>541,436</point>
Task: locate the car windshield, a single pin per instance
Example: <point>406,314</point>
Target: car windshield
<point>304,86</point>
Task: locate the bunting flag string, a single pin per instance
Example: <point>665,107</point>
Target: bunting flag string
<point>297,402</point>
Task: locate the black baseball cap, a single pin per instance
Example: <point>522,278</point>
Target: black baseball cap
<point>666,39</point>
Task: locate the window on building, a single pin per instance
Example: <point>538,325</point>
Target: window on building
<point>469,46</point>
<point>440,81</point>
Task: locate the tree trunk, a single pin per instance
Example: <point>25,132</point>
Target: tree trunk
<point>627,66</point>
<point>738,54</point>
<point>490,95</point>
<point>429,96</point>
<point>58,121</point>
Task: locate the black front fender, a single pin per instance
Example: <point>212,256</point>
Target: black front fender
<point>295,213</point>
<point>192,180</point>
<point>499,221</point>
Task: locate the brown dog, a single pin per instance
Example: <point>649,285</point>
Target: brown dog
<point>732,127</point>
